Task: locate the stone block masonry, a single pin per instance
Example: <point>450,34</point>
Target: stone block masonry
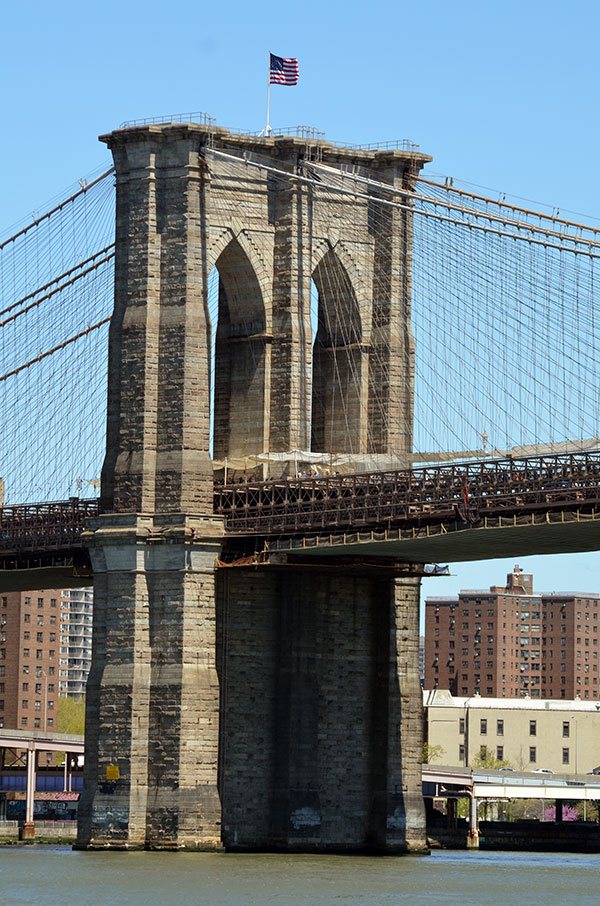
<point>321,730</point>
<point>250,709</point>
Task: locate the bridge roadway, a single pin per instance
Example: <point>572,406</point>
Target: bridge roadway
<point>33,743</point>
<point>483,783</point>
<point>442,513</point>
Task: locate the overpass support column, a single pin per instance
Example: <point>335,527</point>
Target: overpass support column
<point>28,831</point>
<point>473,835</point>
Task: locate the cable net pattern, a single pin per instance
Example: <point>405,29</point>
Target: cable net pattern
<point>506,326</point>
<point>502,306</point>
<point>56,287</point>
<point>503,315</point>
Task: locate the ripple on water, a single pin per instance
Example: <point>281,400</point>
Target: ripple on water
<point>55,876</point>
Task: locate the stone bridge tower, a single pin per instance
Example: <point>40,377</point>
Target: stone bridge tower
<point>273,709</point>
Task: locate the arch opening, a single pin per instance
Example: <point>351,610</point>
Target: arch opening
<point>240,357</point>
<point>340,363</point>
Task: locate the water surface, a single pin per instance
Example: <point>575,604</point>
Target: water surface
<point>56,876</point>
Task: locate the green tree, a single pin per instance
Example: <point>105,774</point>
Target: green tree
<point>71,715</point>
<point>488,760</point>
<point>431,752</point>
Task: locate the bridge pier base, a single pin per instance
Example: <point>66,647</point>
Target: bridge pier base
<point>321,711</point>
<point>152,697</point>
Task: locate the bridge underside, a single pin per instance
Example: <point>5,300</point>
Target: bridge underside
<point>39,571</point>
<point>545,533</point>
<point>515,536</point>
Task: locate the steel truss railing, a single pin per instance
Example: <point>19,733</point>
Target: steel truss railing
<point>464,491</point>
<point>44,526</point>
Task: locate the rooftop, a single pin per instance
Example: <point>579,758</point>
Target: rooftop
<point>444,699</point>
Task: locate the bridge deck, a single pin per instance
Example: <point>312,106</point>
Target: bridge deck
<point>438,513</point>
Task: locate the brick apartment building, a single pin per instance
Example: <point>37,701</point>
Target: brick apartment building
<point>508,641</point>
<point>45,649</point>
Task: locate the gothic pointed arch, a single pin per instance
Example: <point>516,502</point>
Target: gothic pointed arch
<point>242,356</point>
<point>340,366</point>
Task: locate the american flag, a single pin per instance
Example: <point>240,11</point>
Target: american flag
<point>283,70</point>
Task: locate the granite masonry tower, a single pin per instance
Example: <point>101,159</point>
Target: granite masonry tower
<point>255,709</point>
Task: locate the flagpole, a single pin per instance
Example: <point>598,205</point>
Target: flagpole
<point>268,126</point>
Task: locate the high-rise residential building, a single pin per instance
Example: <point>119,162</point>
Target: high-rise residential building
<point>509,641</point>
<point>45,650</point>
<point>76,607</point>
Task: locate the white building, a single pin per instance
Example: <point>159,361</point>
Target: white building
<point>75,654</point>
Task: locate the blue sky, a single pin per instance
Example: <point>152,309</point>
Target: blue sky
<point>503,95</point>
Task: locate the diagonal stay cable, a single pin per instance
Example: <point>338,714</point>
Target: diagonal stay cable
<point>107,257</point>
<point>55,209</point>
<point>49,352</point>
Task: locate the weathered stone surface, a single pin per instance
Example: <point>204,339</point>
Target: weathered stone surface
<point>153,693</point>
<point>290,700</point>
<point>321,713</point>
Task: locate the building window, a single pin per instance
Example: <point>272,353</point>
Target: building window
<point>27,618</point>
<point>566,729</point>
<point>500,753</point>
<point>39,636</point>
<point>24,702</point>
<point>37,705</point>
<point>50,721</point>
<point>461,726</point>
<point>483,752</point>
<point>39,654</point>
<point>565,756</point>
<point>25,652</point>
<point>38,688</point>
<point>25,687</point>
<point>500,728</point>
<point>483,726</point>
<point>532,754</point>
<point>532,728</point>
<point>461,754</point>
<point>24,721</point>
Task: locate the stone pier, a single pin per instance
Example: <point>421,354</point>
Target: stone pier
<point>321,733</point>
<point>277,708</point>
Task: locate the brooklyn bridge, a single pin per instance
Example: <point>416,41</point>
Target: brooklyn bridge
<point>254,394</point>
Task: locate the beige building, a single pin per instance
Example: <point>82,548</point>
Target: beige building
<point>528,734</point>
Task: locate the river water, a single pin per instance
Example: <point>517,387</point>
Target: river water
<point>45,876</point>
